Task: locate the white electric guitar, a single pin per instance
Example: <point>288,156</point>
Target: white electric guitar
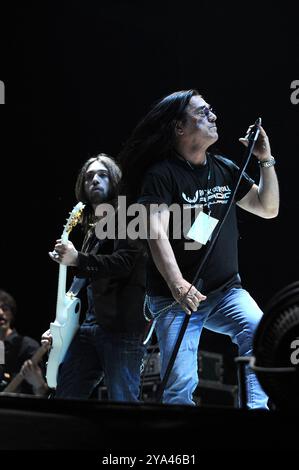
<point>68,308</point>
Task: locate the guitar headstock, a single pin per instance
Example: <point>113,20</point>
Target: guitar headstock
<point>74,218</point>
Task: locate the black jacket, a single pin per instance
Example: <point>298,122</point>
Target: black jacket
<point>116,269</point>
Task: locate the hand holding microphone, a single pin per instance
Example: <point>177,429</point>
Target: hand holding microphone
<point>257,135</point>
<point>252,131</point>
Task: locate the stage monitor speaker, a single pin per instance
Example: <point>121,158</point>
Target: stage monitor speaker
<point>276,347</point>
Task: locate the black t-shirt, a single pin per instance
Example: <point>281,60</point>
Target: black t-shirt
<point>194,188</point>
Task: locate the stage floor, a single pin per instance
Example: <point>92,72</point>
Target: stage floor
<point>102,431</point>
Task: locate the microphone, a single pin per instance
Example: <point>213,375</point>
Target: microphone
<point>254,131</point>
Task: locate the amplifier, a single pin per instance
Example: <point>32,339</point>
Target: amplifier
<point>204,395</point>
<point>216,395</point>
<point>152,362</point>
<point>211,390</point>
<point>213,394</point>
<point>210,365</point>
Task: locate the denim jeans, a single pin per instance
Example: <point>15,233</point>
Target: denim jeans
<point>96,353</point>
<point>233,313</point>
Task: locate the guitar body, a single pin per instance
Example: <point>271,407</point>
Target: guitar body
<point>62,330</point>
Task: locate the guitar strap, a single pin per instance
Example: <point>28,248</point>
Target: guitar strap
<point>77,284</point>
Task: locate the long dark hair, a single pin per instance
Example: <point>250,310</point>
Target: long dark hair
<point>114,174</point>
<point>152,140</point>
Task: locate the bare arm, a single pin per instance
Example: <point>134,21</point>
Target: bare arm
<point>262,200</point>
<point>166,263</point>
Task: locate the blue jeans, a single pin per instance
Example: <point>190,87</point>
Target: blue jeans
<point>96,353</point>
<point>233,313</point>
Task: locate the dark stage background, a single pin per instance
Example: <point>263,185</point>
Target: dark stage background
<point>80,74</point>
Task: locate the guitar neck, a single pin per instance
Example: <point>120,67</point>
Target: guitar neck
<point>61,288</point>
<point>62,276</point>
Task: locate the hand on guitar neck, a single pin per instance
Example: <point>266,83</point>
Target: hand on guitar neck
<point>64,253</point>
<point>32,373</point>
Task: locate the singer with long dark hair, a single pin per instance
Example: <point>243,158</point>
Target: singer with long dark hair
<point>167,161</point>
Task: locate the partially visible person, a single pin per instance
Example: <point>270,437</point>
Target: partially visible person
<point>18,349</point>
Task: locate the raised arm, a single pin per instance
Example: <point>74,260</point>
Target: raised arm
<point>262,200</point>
